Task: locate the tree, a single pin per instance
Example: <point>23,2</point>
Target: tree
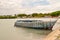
<point>40,15</point>
<point>55,14</point>
<point>34,15</point>
<point>21,15</point>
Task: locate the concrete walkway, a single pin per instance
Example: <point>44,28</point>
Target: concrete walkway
<point>56,31</point>
<point>53,35</point>
<point>57,25</point>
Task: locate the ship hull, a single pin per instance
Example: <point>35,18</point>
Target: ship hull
<point>36,25</point>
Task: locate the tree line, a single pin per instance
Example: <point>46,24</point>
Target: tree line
<point>33,15</point>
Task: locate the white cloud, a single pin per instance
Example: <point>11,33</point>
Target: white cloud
<point>47,8</point>
<point>28,6</point>
<point>53,6</point>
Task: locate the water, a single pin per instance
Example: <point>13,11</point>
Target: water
<point>9,32</point>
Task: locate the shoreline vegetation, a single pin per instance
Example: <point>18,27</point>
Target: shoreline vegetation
<point>33,15</point>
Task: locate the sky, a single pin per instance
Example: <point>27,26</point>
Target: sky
<point>10,7</point>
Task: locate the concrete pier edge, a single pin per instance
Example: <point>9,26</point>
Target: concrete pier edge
<point>55,31</point>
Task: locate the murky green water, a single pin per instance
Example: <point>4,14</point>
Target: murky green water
<point>9,32</point>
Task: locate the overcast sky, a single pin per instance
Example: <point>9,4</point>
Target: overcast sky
<point>28,6</point>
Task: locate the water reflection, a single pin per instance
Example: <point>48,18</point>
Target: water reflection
<point>32,33</point>
<point>9,32</point>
